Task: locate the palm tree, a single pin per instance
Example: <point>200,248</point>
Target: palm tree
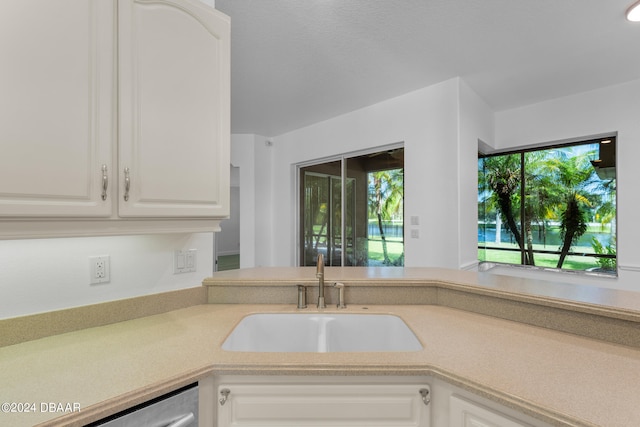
<point>541,192</point>
<point>573,224</point>
<point>503,178</point>
<point>386,194</point>
<point>573,175</point>
<point>606,211</point>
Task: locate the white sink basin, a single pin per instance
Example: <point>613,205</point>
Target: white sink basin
<point>321,333</point>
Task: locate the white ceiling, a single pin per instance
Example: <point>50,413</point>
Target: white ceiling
<point>298,62</point>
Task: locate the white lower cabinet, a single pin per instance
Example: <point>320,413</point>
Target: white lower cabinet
<point>349,401</point>
<point>465,413</point>
<point>323,404</point>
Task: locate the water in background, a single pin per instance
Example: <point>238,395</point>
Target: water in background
<point>550,238</point>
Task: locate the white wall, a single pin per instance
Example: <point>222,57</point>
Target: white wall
<point>606,110</point>
<point>435,124</point>
<point>476,123</point>
<point>49,274</point>
<point>253,157</point>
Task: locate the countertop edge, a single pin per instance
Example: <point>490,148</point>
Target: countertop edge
<point>125,401</point>
<point>122,402</point>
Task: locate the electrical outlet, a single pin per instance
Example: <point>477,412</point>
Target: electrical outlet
<point>99,269</point>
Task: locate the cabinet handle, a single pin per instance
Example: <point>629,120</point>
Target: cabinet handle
<point>225,395</point>
<point>127,184</point>
<point>424,392</point>
<point>105,182</point>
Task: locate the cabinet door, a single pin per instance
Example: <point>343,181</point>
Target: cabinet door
<point>174,109</point>
<point>463,413</point>
<point>56,107</point>
<point>388,405</point>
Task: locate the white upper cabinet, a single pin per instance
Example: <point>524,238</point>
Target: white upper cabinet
<point>56,107</point>
<point>114,113</point>
<point>174,109</point>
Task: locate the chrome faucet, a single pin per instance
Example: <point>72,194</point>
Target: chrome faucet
<point>320,276</point>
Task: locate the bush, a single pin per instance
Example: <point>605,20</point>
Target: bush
<point>607,264</point>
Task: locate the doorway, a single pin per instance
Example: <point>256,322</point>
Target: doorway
<point>228,239</point>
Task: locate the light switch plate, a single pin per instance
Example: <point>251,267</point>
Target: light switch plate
<point>185,261</point>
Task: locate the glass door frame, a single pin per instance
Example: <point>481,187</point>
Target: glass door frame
<point>343,158</point>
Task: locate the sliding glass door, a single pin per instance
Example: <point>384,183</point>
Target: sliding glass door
<point>351,210</point>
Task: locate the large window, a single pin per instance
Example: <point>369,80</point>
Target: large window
<point>351,210</point>
<point>552,208</point>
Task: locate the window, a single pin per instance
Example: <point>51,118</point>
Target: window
<point>351,210</point>
<point>553,207</point>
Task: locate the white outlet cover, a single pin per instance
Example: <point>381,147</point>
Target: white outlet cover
<point>99,269</point>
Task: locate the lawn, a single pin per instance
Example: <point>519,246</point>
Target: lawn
<point>571,262</point>
<point>395,249</point>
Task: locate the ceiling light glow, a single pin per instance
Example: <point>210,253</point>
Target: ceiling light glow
<point>633,13</point>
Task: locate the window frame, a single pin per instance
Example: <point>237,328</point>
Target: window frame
<point>485,265</point>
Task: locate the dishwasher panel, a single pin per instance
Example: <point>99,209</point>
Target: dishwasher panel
<point>175,409</point>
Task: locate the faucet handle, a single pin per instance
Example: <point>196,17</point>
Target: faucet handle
<point>340,287</point>
<point>302,296</point>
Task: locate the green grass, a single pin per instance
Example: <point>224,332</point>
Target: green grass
<point>395,248</point>
<point>571,262</point>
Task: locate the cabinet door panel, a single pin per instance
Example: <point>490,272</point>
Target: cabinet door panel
<point>323,405</point>
<point>174,103</point>
<point>463,413</point>
<point>57,87</point>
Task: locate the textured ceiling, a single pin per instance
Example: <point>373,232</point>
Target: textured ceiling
<point>297,62</point>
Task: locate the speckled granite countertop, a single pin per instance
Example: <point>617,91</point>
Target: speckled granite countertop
<point>558,377</point>
<point>619,303</point>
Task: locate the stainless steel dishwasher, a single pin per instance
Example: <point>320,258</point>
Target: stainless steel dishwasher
<point>176,409</point>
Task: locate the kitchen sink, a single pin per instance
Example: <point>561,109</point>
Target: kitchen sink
<point>321,333</point>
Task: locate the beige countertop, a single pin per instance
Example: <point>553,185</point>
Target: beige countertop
<point>562,378</point>
<point>620,303</point>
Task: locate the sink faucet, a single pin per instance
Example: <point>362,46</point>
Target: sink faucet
<point>320,276</point>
